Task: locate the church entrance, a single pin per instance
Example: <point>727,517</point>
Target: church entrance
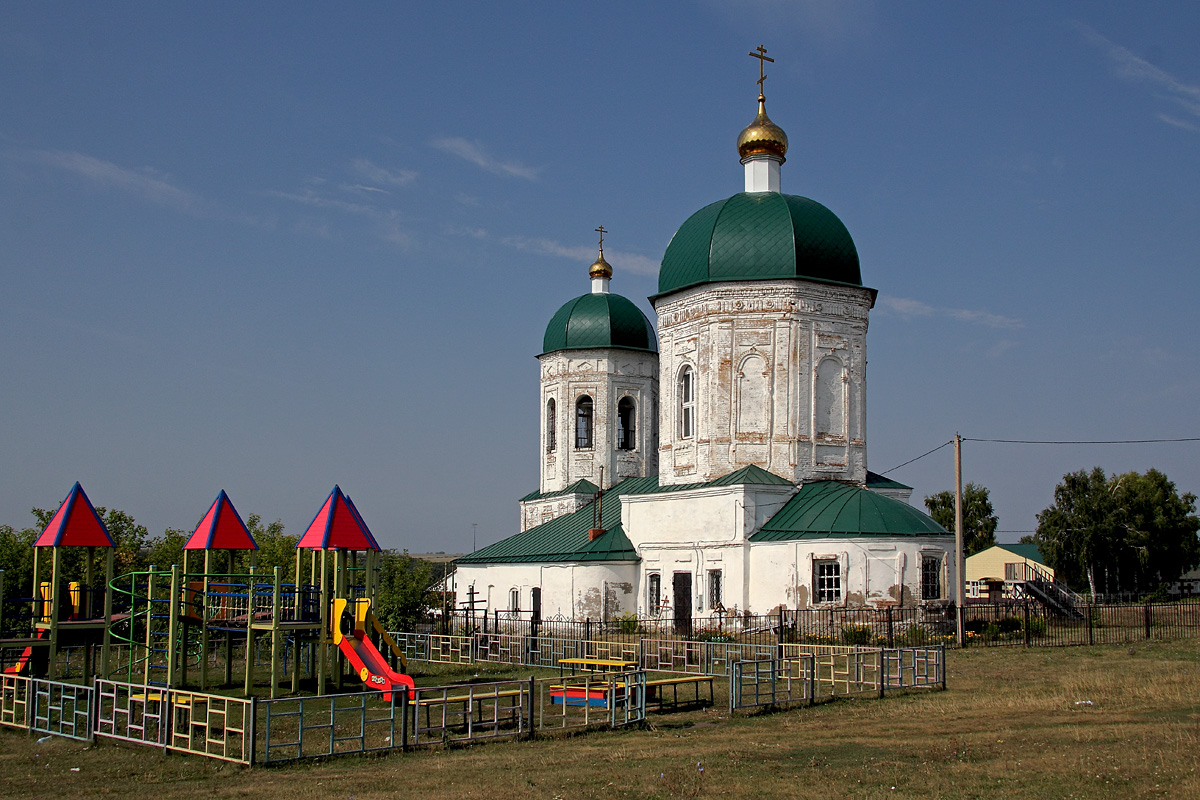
<point>683,602</point>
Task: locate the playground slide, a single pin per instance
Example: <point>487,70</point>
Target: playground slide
<point>22,662</point>
<point>371,666</point>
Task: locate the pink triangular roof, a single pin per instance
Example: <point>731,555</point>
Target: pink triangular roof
<point>338,526</point>
<point>75,524</point>
<point>221,529</point>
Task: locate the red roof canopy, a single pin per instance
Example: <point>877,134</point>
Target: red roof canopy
<point>75,524</point>
<point>338,526</point>
<point>221,529</point>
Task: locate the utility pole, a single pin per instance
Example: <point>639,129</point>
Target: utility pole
<point>959,566</point>
<point>474,525</point>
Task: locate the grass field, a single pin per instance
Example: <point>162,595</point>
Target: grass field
<point>1100,722</point>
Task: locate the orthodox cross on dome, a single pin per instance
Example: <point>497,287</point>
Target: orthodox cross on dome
<point>601,231</point>
<point>762,57</point>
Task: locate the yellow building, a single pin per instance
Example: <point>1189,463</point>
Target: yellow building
<point>1007,564</point>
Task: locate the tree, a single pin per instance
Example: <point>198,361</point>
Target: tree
<point>404,590</point>
<point>1127,533</point>
<point>979,520</point>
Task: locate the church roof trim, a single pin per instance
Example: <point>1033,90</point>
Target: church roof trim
<point>581,486</point>
<point>877,481</point>
<point>565,538</point>
<point>832,509</point>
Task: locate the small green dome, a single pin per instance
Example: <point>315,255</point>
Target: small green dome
<point>599,320</point>
<point>756,236</point>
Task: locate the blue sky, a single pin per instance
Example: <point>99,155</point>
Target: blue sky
<point>270,247</point>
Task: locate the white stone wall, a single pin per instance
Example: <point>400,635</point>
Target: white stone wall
<point>874,571</point>
<point>569,591</point>
<point>781,380</point>
<point>536,512</point>
<point>606,375</point>
<point>698,531</point>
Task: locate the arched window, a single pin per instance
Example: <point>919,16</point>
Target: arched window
<point>687,403</point>
<point>625,424</point>
<point>583,423</point>
<point>551,425</point>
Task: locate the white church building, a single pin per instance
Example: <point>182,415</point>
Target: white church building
<point>715,461</point>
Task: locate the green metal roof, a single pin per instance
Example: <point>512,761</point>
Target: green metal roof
<point>830,509</point>
<point>599,320</point>
<point>877,481</point>
<point>581,486</point>
<point>1029,551</point>
<point>565,538</point>
<point>760,236</point>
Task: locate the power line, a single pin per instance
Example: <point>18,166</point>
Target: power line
<point>918,458</point>
<point>1095,441</point>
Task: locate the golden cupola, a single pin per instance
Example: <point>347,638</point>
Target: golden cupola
<point>601,268</point>
<point>762,137</point>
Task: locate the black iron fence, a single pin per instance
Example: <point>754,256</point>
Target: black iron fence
<point>1022,622</point>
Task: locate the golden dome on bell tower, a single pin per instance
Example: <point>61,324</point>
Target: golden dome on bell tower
<point>601,268</point>
<point>762,137</point>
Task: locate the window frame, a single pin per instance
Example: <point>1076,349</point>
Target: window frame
<point>931,565</point>
<point>653,593</point>
<point>585,436</point>
<point>514,599</point>
<point>686,389</point>
<point>827,580</point>
<point>551,425</point>
<point>716,590</point>
<point>626,433</point>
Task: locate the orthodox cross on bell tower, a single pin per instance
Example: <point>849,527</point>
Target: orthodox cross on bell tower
<point>762,57</point>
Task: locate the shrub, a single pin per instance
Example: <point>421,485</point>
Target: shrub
<point>627,622</point>
<point>915,635</point>
<point>857,634</point>
<point>1037,627</point>
<point>1009,625</point>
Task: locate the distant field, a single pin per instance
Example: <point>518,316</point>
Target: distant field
<point>1042,723</point>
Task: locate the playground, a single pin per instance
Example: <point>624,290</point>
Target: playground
<point>252,669</point>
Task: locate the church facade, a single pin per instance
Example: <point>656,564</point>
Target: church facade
<point>715,462</point>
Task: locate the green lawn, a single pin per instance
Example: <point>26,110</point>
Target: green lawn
<point>1098,722</point>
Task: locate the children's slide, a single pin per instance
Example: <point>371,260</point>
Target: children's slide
<point>22,662</point>
<point>373,669</point>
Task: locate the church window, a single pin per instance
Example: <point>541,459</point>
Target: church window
<point>583,423</point>
<point>687,403</point>
<point>827,579</point>
<point>715,589</point>
<point>514,599</point>
<point>829,403</point>
<point>551,424</point>
<point>653,594</point>
<point>931,578</point>
<point>625,424</point>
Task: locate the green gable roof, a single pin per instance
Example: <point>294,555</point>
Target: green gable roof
<point>829,509</point>
<point>581,486</point>
<point>599,320</point>
<point>760,236</point>
<point>565,538</point>
<point>877,481</point>
<point>1029,551</point>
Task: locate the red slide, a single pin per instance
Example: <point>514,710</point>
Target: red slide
<point>372,667</point>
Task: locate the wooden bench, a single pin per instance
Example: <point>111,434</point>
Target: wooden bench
<point>596,665</point>
<point>655,689</point>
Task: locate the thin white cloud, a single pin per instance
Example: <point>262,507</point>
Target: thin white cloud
<point>471,151</point>
<point>311,198</point>
<point>149,186</point>
<point>1131,67</point>
<point>620,260</point>
<point>1178,123</point>
<point>377,174</point>
<point>358,187</point>
<point>907,307</point>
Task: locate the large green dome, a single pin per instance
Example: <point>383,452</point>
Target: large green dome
<point>599,319</point>
<point>760,236</point>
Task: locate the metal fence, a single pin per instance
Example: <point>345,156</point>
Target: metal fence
<point>1028,624</point>
<point>44,706</point>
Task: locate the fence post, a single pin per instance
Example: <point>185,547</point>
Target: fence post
<point>891,639</point>
<point>1147,620</point>
<point>1089,623</point>
<point>1027,623</point>
<point>253,731</point>
<point>812,679</point>
<point>404,718</point>
<point>883,671</point>
<point>587,628</point>
<point>529,707</point>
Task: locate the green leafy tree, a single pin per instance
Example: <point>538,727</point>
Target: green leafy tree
<point>404,595</point>
<point>1127,533</point>
<point>165,550</point>
<point>275,549</point>
<point>979,520</point>
<point>16,559</point>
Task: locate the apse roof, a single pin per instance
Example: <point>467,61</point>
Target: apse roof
<point>221,529</point>
<point>831,509</point>
<point>75,524</point>
<point>338,526</point>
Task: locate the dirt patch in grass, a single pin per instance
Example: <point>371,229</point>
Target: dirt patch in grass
<point>1065,723</point>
